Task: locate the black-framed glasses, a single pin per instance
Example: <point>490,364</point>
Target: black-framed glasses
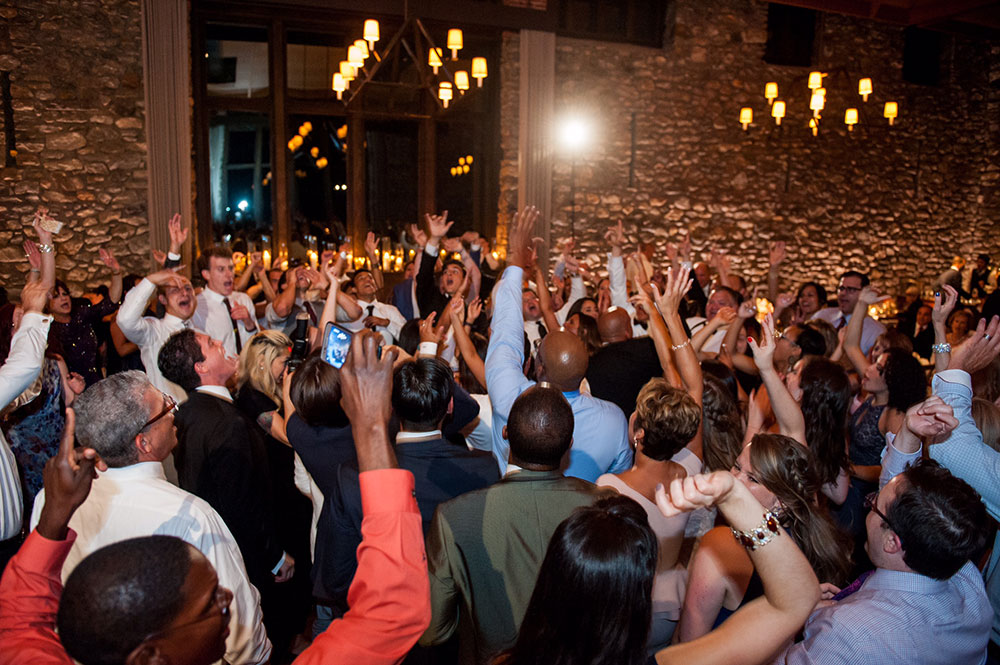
<point>170,406</point>
<point>870,500</point>
<point>848,289</point>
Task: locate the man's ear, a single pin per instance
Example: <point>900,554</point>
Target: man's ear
<point>140,443</point>
<point>891,543</point>
<point>205,274</point>
<point>162,299</point>
<point>503,432</point>
<point>147,653</point>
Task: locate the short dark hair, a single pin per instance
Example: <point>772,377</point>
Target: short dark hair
<point>315,393</point>
<point>453,262</point>
<point>811,342</point>
<point>854,273</point>
<point>820,292</point>
<point>120,595</point>
<point>940,520</point>
<point>668,416</point>
<point>602,557</point>
<point>409,336</point>
<point>421,392</point>
<point>218,251</point>
<point>540,426</point>
<point>905,378</point>
<point>178,357</point>
<point>736,295</point>
<point>359,271</point>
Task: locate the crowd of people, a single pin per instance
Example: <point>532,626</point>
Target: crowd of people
<point>644,461</point>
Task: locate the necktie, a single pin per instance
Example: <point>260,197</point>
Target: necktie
<point>370,309</point>
<point>542,332</point>
<point>236,328</point>
<point>842,322</point>
<point>311,312</point>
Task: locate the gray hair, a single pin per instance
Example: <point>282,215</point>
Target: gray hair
<point>110,413</point>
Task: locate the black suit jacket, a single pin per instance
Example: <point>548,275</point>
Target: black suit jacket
<point>442,470</point>
<point>429,296</point>
<point>922,343</point>
<point>618,371</point>
<point>220,457</point>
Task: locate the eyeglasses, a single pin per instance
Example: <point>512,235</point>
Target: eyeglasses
<point>170,407</point>
<point>870,500</point>
<point>848,289</point>
<point>221,600</point>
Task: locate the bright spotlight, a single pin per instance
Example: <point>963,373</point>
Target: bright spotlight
<point>243,205</point>
<point>574,133</point>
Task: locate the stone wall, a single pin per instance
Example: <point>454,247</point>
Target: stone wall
<point>76,84</point>
<point>898,202</point>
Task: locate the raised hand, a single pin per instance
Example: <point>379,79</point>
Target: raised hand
<point>452,245</point>
<point>178,233</point>
<point>168,277</point>
<point>978,350</point>
<point>333,270</point>
<point>418,235</point>
<point>747,309</point>
<point>615,235</point>
<point>160,257</point>
<point>474,309</point>
<point>371,243</point>
<point>34,296</point>
<point>763,350</point>
<point>870,296</point>
<point>941,309</point>
<point>931,419</point>
<point>438,225</point>
<point>684,248</point>
<point>428,331</point>
<point>677,284</point>
<point>693,492</point>
<point>109,260</point>
<point>724,316</point>
<point>257,263</point>
<point>521,245</point>
<point>470,238</point>
<point>44,236</point>
<point>456,309</point>
<point>325,258</point>
<point>776,254</point>
<point>366,390</point>
<point>33,255</point>
<point>784,301</point>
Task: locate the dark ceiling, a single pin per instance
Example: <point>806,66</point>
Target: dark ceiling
<point>979,18</point>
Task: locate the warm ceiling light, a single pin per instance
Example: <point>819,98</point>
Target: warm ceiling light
<point>354,56</point>
<point>770,91</point>
<point>347,70</point>
<point>363,45</point>
<point>465,169</point>
<point>815,80</point>
<point>462,79</point>
<point>479,70</point>
<point>445,93</point>
<point>851,119</point>
<point>817,102</point>
<point>746,116</point>
<point>371,33</point>
<point>339,85</point>
<point>865,88</point>
<point>778,111</point>
<point>434,59</point>
<point>314,151</point>
<point>814,126</point>
<point>891,111</point>
<point>461,161</point>
<point>321,163</point>
<point>468,159</point>
<point>455,42</point>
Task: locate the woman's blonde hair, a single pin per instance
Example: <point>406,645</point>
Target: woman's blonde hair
<point>986,414</point>
<point>256,359</point>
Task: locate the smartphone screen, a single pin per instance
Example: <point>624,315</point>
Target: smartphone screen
<point>336,343</point>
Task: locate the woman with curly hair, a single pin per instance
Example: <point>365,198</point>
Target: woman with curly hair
<point>781,474</point>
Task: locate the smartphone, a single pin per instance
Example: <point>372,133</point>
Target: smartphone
<point>336,344</point>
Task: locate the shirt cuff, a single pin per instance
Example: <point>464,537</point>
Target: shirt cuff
<point>38,548</point>
<point>173,257</point>
<point>387,490</point>
<point>274,571</point>
<point>427,349</point>
<point>36,319</point>
<point>959,376</point>
<point>431,250</point>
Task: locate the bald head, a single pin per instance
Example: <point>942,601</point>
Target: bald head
<point>615,325</point>
<point>562,359</point>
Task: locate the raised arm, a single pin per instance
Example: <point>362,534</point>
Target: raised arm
<point>746,310</point>
<point>329,314</point>
<point>545,299</point>
<point>44,251</point>
<point>791,589</point>
<point>786,410</point>
<point>776,256</point>
<point>115,289</point>
<point>684,355</point>
<point>371,242</point>
<point>939,316</point>
<point>456,309</point>
<point>852,338</point>
<point>660,336</point>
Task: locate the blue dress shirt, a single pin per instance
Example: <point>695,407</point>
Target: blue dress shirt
<point>600,432</point>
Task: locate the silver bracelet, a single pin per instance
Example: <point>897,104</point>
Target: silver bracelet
<point>941,348</point>
<point>760,535</point>
<point>678,347</point>
<point>45,249</point>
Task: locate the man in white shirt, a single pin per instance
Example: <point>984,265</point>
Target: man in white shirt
<point>224,314</point>
<point>131,425</point>
<point>381,317</point>
<point>722,296</point>
<point>293,299</point>
<point>851,283</point>
<point>23,363</point>
<point>148,332</point>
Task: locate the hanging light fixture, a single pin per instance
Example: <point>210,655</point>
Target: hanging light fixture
<point>468,159</point>
<point>371,33</point>
<point>746,117</point>
<point>455,42</point>
<point>339,85</point>
<point>354,56</point>
<point>434,59</point>
<point>770,91</point>
<point>346,70</point>
<point>321,163</point>
<point>314,151</point>
<point>817,102</point>
<point>814,126</point>
<point>462,80</point>
<point>778,111</point>
<point>850,119</point>
<point>891,111</point>
<point>479,70</point>
<point>815,80</point>
<point>363,45</point>
<point>865,88</point>
<point>465,168</point>
<point>445,93</point>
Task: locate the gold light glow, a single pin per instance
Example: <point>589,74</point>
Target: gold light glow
<point>479,70</point>
<point>815,80</point>
<point>434,58</point>
<point>770,91</point>
<point>363,47</point>
<point>445,93</point>
<point>339,85</point>
<point>865,88</point>
<point>462,80</point>
<point>347,70</point>
<point>371,33</point>
<point>455,42</point>
<point>746,117</point>
<point>778,111</point>
<point>891,111</point>
<point>354,56</point>
<point>851,119</point>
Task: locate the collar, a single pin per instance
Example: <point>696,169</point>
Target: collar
<point>525,475</point>
<point>138,471</point>
<point>898,580</point>
<point>216,297</point>
<point>414,437</point>
<point>365,303</point>
<point>216,391</point>
<point>571,394</point>
<point>175,321</point>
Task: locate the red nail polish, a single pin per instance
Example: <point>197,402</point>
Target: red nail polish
<point>749,339</point>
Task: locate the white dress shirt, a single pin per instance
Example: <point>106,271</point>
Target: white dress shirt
<point>24,362</point>
<point>390,333</point>
<point>212,317</point>
<point>150,334</point>
<point>870,329</point>
<point>619,292</point>
<point>136,501</point>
